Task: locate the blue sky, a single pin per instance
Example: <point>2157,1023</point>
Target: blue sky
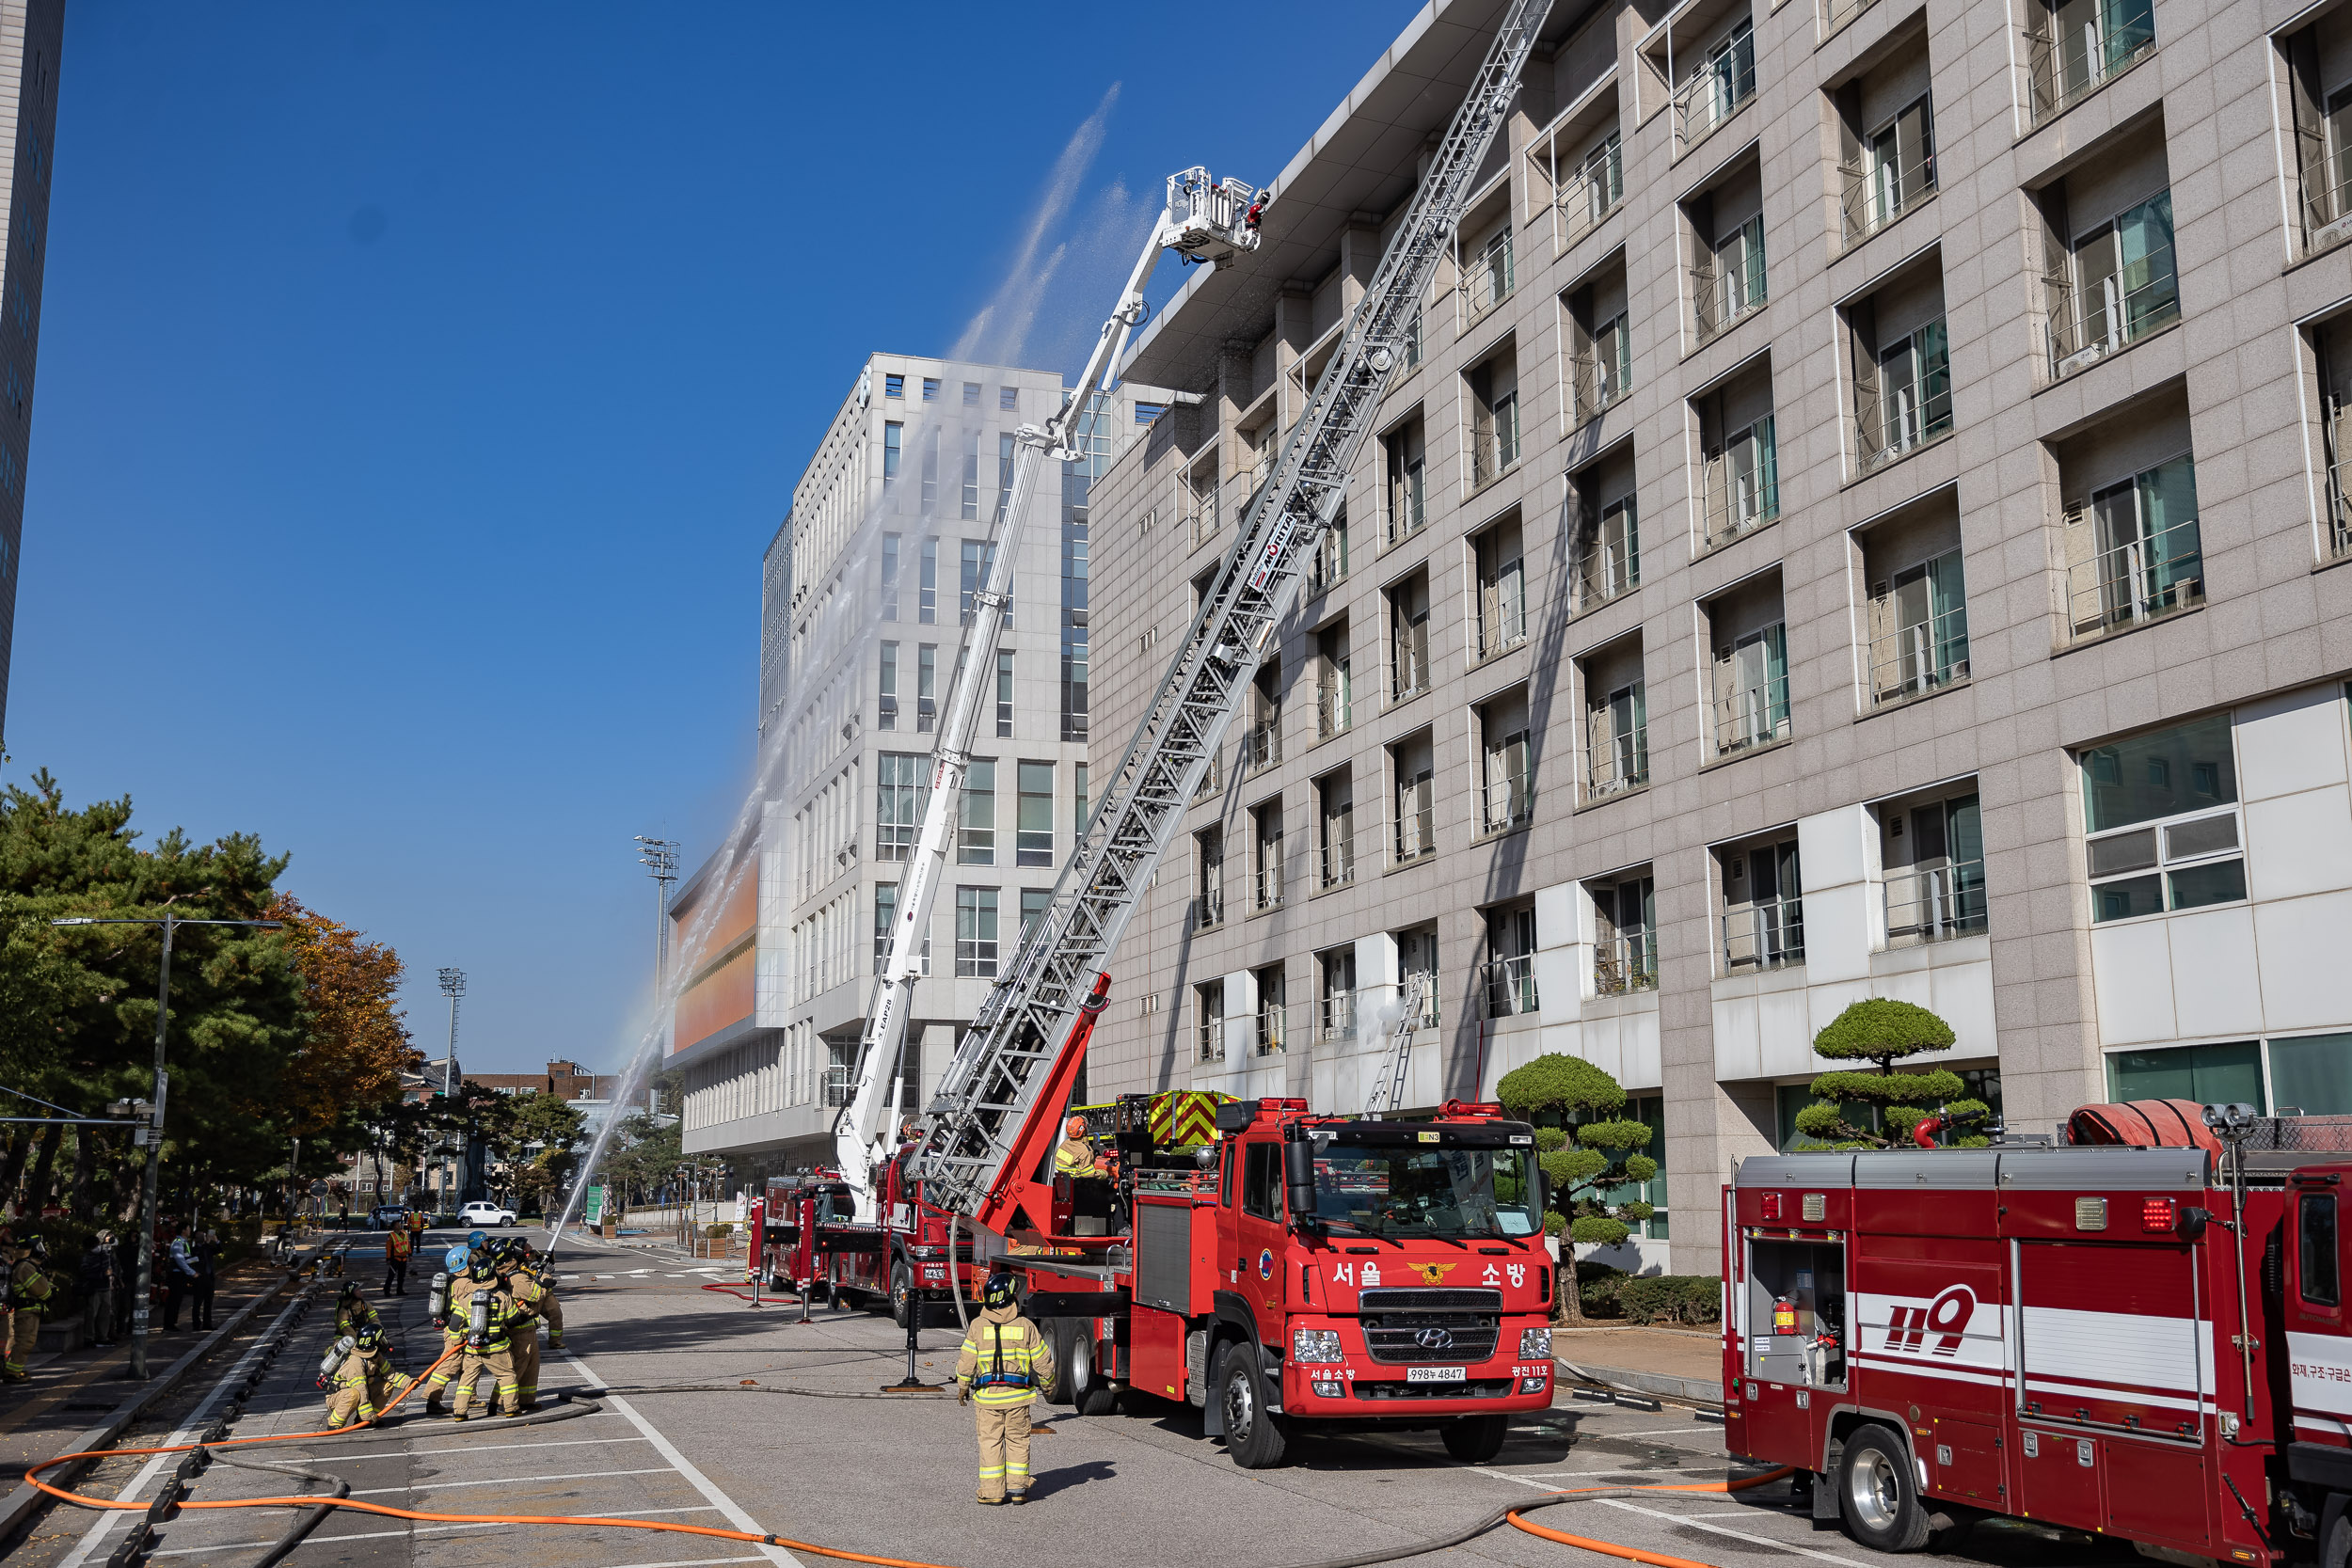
<point>419,387</point>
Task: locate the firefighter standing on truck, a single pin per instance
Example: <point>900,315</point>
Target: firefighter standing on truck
<point>28,1293</point>
<point>1074,1156</point>
<point>365,1383</point>
<point>490,1322</point>
<point>1003,1364</point>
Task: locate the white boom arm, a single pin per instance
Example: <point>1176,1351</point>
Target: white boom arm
<point>1205,220</point>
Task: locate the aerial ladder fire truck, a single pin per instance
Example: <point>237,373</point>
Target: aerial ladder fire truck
<point>1302,1271</point>
<point>864,1227</point>
<point>2138,1333</point>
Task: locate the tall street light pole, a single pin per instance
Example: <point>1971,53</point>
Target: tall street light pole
<point>658,856</point>
<point>151,1136</point>
<point>452,986</point>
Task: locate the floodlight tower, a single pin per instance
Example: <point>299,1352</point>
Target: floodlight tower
<point>658,856</point>
<point>452,986</point>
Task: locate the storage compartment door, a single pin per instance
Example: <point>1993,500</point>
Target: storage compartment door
<point>2115,1336</point>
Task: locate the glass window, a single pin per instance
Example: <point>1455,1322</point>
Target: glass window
<point>888,688</point>
<point>927,584</point>
<point>2205,1074</point>
<point>2167,777</point>
<point>894,386</point>
<point>2313,1074</point>
<point>971,495</point>
<point>894,446</point>
<point>2162,773</point>
<point>2315,1248</point>
<point>926,687</point>
<point>976,819</point>
<point>897,803</point>
<point>1078,799</point>
<point>930,388</point>
<point>1004,691</point>
<point>971,394</point>
<point>1261,1181</point>
<point>975,932</point>
<point>1034,902</point>
<point>1009,398</point>
<point>890,576</point>
<point>1035,844</point>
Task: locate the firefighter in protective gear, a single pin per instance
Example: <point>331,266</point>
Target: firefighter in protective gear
<point>28,1294</point>
<point>1004,1363</point>
<point>397,1247</point>
<point>353,1313</point>
<point>1073,1156</point>
<point>513,1261</point>
<point>458,1260</point>
<point>365,1383</point>
<point>489,1346</point>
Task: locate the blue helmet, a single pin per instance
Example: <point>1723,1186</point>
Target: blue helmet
<point>454,1260</point>
<point>476,1238</point>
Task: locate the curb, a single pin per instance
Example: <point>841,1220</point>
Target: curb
<point>21,1505</point>
<point>1690,1390</point>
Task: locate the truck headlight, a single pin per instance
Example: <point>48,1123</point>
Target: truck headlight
<point>1534,1344</point>
<point>1316,1344</point>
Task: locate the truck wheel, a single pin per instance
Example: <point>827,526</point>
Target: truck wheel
<point>1475,1440</point>
<point>1879,1495</point>
<point>1068,1337</point>
<point>1088,1393</point>
<point>901,1295</point>
<point>1253,1434</point>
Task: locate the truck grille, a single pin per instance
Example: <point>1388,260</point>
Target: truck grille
<point>1447,1336</point>
<point>1430,1301</point>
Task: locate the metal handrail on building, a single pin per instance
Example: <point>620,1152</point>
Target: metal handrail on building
<point>2061,76</point>
<point>2139,580</point>
<point>1919,657</point>
<point>1335,710</point>
<point>1839,12</point>
<point>2340,502</point>
<point>1602,572</point>
<point>1208,909</point>
<point>1868,204</point>
<point>1764,935</point>
<point>1502,617</point>
<point>1267,881</point>
<point>1599,382</point>
<point>1935,903</point>
<point>1261,743</point>
<point>1336,861</point>
<point>1711,295</point>
<point>1414,834</point>
<point>1715,92</point>
<point>1507,802</point>
<point>1617,762</point>
<point>1624,963</point>
<point>1273,1029</point>
<point>1338,1010</point>
<point>1488,278</point>
<point>1886,428</point>
<point>1509,986</point>
<point>2085,326</point>
<point>1210,1032</point>
<point>1212,778</point>
<point>1329,564</point>
<point>1589,194</point>
<point>1738,500</point>
<point>1751,715</point>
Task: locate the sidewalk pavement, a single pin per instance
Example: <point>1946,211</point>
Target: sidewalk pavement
<point>1671,1363</point>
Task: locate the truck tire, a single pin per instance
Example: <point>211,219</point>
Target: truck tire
<point>1068,1337</point>
<point>1253,1434</point>
<point>901,1294</point>
<point>1879,1495</point>
<point>1475,1440</point>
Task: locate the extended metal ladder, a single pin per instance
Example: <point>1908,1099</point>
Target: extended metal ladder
<point>1388,1089</point>
<point>1021,1026</point>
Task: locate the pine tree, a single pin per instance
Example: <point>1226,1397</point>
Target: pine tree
<point>1586,1149</point>
<point>1882,1031</point>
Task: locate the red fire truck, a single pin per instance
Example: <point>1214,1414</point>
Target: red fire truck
<point>2146,1342</point>
<point>810,1239</point>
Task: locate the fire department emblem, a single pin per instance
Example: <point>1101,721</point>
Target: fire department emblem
<point>1265,1262</point>
<point>1433,1274</point>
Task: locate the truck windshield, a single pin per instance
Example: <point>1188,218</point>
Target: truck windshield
<point>1403,1191</point>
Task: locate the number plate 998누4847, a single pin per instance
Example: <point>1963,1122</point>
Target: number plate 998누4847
<point>1434,1374</point>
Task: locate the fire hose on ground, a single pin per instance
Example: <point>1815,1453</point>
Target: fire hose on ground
<point>316,1507</point>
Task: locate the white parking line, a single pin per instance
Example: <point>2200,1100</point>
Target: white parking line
<point>727,1506</point>
<point>487,1448</point>
<point>1735,1534</point>
<point>432,1529</point>
<point>509,1480</point>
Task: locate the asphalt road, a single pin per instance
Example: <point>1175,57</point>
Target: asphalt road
<point>893,1476</point>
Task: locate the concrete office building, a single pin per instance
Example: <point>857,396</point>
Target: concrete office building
<point>32,33</point>
<point>865,588</point>
<point>1864,518</point>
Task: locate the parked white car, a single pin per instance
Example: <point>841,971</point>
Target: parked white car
<point>484,1214</point>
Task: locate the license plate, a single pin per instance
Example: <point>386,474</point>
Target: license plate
<point>1435,1374</point>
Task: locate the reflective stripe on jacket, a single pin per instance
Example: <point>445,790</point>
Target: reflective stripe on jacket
<point>1005,1358</point>
<point>1073,1158</point>
<point>28,1288</point>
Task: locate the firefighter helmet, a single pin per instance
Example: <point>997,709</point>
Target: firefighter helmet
<point>369,1339</point>
<point>1003,1290</point>
<point>37,1247</point>
<point>454,1259</point>
<point>1077,1126</point>
<point>481,1268</point>
<point>476,1240</point>
<point>351,1294</point>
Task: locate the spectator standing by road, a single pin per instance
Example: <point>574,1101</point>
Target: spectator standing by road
<point>397,1247</point>
<point>179,1275</point>
<point>97,1291</point>
<point>206,1252</point>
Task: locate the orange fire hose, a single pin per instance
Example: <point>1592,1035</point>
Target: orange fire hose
<point>32,1478</point>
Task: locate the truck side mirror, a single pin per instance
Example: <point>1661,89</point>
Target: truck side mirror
<point>1298,1178</point>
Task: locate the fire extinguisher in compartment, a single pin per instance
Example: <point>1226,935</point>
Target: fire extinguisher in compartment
<point>1784,1316</point>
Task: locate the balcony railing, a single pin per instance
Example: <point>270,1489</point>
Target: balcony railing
<point>1506,803</point>
<point>1273,1029</point>
<point>1494,445</point>
<point>1408,505</point>
<point>1336,863</point>
<point>1590,194</point>
<point>2063,70</point>
<point>1509,985</point>
<point>1749,716</point>
<point>2140,580</point>
<point>1335,710</point>
<point>1624,963</point>
<point>1764,935</point>
<point>1208,909</point>
<point>1933,904</point>
<point>1600,379</point>
<point>1502,615</point>
<point>1409,677</point>
<point>1719,89</point>
<point>1338,1009</point>
<point>1201,514</point>
<point>2340,502</point>
<point>1742,485</point>
<point>1265,883</point>
<point>1726,291</point>
<point>1487,278</point>
<point>1617,763</point>
<point>1876,196</point>
<point>839,1080</point>
<point>1842,11</point>
<point>1212,781</point>
<point>1919,657</point>
<point>1211,1034</point>
<point>1888,427</point>
<point>1606,567</point>
<point>1328,565</point>
<point>1416,832</point>
<point>2085,327</point>
<point>2327,200</point>
<point>1261,743</point>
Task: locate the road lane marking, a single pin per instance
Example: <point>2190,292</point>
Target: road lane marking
<point>509,1480</point>
<point>1735,1534</point>
<point>487,1448</point>
<point>431,1529</point>
<point>731,1510</point>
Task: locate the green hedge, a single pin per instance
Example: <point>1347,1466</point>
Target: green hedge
<point>1649,1298</point>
